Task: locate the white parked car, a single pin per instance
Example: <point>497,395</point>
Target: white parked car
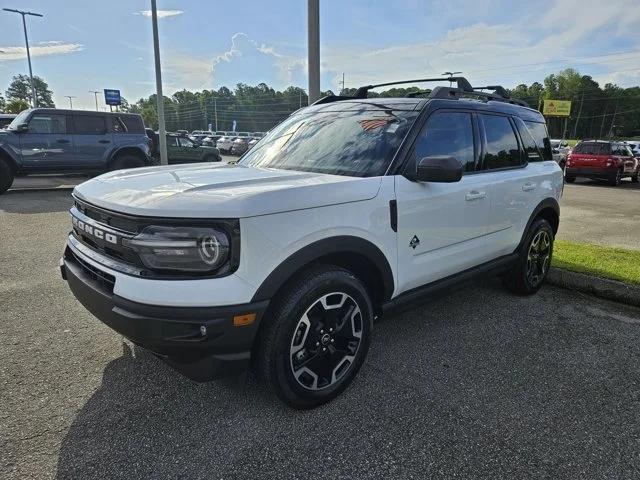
<point>347,209</point>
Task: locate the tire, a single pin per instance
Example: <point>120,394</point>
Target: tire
<point>6,176</point>
<point>569,179</point>
<point>125,161</point>
<point>309,325</point>
<point>635,179</point>
<point>615,180</point>
<point>529,273</point>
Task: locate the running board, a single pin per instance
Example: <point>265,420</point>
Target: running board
<point>420,295</point>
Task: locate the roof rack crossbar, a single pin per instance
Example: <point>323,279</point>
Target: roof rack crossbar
<point>462,83</point>
<point>455,93</point>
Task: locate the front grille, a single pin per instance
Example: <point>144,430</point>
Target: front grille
<point>112,219</point>
<point>103,279</point>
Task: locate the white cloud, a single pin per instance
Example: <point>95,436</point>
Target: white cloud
<point>42,49</point>
<point>161,13</point>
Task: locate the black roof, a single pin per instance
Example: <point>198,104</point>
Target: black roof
<point>63,111</point>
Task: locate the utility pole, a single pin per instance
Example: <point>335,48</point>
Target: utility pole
<point>613,120</point>
<point>215,111</point>
<point>575,127</point>
<point>602,124</point>
<point>70,97</point>
<point>34,94</point>
<point>313,47</point>
<point>95,95</point>
<point>342,90</point>
<point>162,133</point>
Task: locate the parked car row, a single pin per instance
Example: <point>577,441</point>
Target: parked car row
<point>182,149</point>
<point>235,143</point>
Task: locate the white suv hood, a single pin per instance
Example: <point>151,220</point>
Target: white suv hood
<point>220,191</point>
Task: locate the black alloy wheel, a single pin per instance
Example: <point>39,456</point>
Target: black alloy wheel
<point>538,258</point>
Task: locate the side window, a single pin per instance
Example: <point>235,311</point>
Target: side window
<point>539,133</point>
<point>117,125</point>
<point>528,142</point>
<point>89,125</point>
<point>185,142</point>
<point>172,141</point>
<point>133,123</point>
<point>502,149</point>
<point>448,134</point>
<point>42,123</point>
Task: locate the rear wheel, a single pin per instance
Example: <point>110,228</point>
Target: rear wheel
<point>126,161</point>
<point>6,176</point>
<point>528,275</point>
<point>315,340</point>
<point>635,178</point>
<point>569,179</point>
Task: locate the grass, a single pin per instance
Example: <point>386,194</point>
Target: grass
<point>614,263</point>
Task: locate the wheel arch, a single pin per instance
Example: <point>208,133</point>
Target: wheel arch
<point>4,155</point>
<point>549,209</point>
<point>129,150</point>
<point>359,256</point>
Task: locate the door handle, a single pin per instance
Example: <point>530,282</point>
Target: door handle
<point>527,187</point>
<point>104,141</point>
<point>63,140</point>
<point>475,195</point>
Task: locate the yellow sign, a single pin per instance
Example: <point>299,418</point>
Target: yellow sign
<point>557,108</point>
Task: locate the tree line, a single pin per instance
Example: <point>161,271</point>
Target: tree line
<point>597,112</point>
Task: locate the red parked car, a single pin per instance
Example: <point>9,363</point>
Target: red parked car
<point>602,160</point>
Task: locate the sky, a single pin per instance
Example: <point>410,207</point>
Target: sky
<point>82,45</point>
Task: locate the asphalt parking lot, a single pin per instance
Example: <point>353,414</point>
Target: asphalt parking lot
<point>478,384</point>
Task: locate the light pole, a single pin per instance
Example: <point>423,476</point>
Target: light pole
<point>156,53</point>
<point>70,97</point>
<point>34,97</point>
<point>95,95</point>
<point>313,35</point>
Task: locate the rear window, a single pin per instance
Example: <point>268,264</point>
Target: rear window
<point>133,123</point>
<point>587,148</point>
<point>89,125</point>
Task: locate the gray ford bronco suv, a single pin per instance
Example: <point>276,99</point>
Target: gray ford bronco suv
<point>49,140</point>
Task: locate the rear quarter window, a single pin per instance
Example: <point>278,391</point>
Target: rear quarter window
<point>133,123</point>
<point>538,132</point>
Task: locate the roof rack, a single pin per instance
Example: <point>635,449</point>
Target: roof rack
<point>463,90</point>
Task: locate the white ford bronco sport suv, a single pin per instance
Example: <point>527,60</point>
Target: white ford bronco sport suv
<point>348,208</point>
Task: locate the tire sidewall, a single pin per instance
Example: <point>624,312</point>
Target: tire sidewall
<point>329,282</point>
<point>538,225</point>
<point>6,176</point>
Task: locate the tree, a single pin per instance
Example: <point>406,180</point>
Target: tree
<point>20,89</point>
<point>16,105</point>
<point>3,103</point>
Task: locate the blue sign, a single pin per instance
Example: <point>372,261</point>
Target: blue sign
<point>112,97</point>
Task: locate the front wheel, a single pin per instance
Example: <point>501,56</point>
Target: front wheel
<point>615,180</point>
<point>529,273</point>
<point>6,176</point>
<point>315,340</point>
<point>569,179</point>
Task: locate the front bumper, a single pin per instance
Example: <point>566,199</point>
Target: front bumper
<point>200,342</point>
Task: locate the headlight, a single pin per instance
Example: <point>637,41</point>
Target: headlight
<point>189,249</point>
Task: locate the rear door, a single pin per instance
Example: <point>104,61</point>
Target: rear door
<point>514,188</point>
<point>442,226</point>
<point>93,140</point>
<point>47,145</point>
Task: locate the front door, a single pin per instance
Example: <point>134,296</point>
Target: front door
<point>46,145</point>
<point>442,226</point>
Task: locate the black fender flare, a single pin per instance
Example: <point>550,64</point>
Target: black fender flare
<point>4,153</point>
<point>547,203</point>
<point>344,244</point>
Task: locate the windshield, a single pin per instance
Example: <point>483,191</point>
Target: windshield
<point>21,118</point>
<point>337,140</point>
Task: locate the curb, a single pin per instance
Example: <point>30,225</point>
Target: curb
<point>599,287</point>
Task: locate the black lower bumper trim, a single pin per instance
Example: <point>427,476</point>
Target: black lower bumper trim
<point>200,342</point>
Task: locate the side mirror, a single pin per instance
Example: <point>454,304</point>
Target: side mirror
<point>438,169</point>
<point>22,127</point>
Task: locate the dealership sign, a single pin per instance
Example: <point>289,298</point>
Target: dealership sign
<point>557,108</point>
<point>112,97</point>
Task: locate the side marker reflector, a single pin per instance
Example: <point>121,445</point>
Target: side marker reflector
<point>242,320</point>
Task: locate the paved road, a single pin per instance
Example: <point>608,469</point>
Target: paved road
<point>593,212</point>
<point>479,384</point>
